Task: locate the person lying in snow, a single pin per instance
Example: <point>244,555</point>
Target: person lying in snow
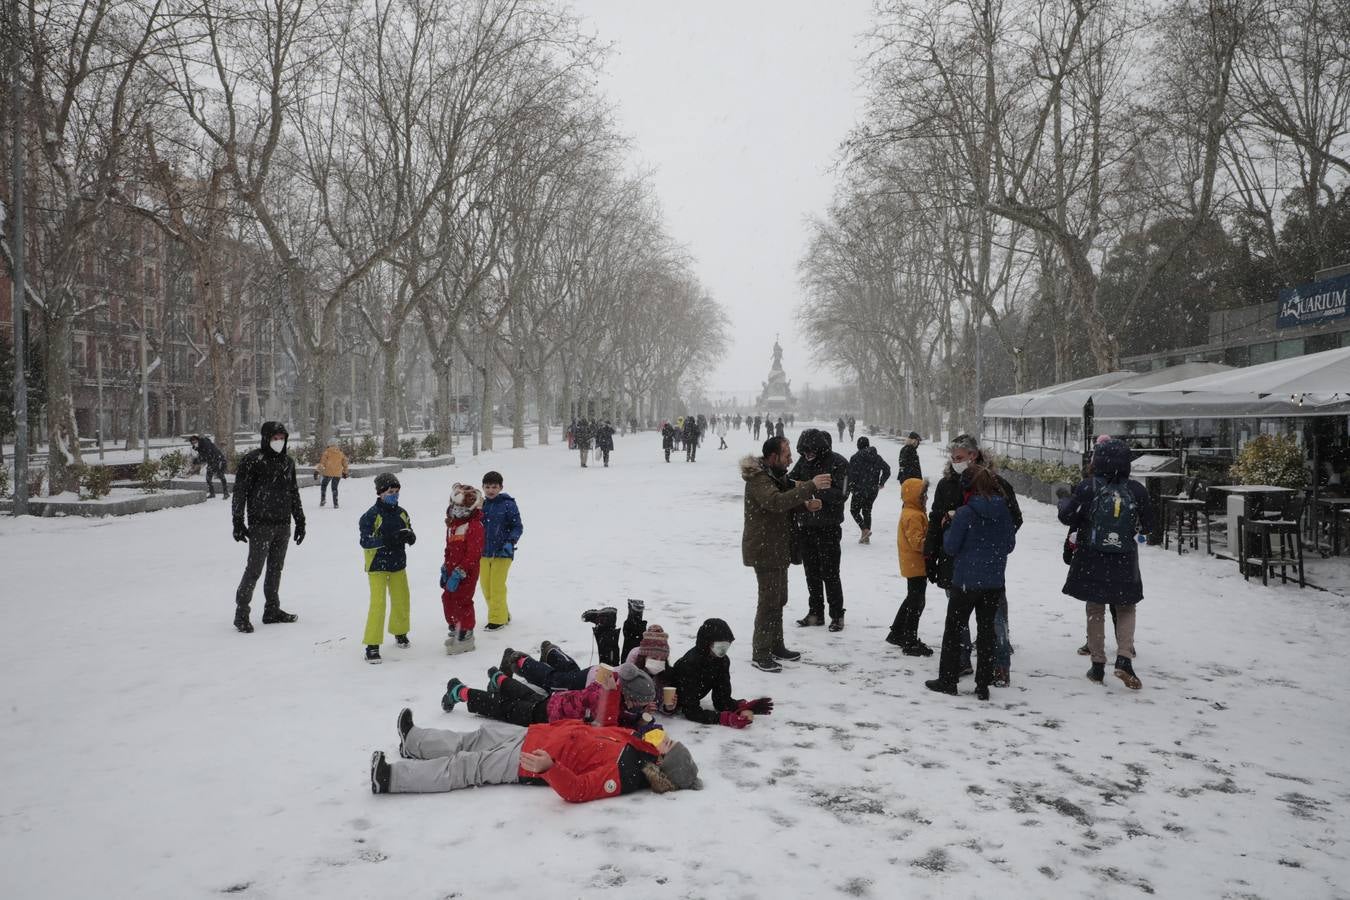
<point>705,669</point>
<point>508,700</point>
<point>578,761</point>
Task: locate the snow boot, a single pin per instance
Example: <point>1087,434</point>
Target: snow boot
<point>373,654</point>
<point>941,687</point>
<point>1002,677</point>
<point>811,619</point>
<point>493,626</point>
<point>401,641</point>
<point>451,697</point>
<point>545,648</point>
<point>1097,673</point>
<point>917,647</point>
<point>405,725</point>
<point>896,640</point>
<point>766,664</point>
<point>635,608</point>
<point>511,661</point>
<point>1125,672</point>
<point>1084,651</point>
<point>982,692</point>
<point>379,773</point>
<point>605,617</point>
<point>322,501</point>
<point>786,655</point>
<point>607,645</point>
<point>495,678</point>
<point>242,623</point>
<point>460,641</point>
<point>278,616</point>
<point>837,624</point>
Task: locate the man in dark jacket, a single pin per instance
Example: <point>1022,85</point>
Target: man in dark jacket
<point>582,433</point>
<point>909,459</point>
<point>706,669</point>
<point>771,499</point>
<point>266,493</point>
<point>667,439</point>
<point>867,475</point>
<point>822,527</point>
<point>604,440</point>
<point>948,496</point>
<point>691,436</point>
<point>213,461</point>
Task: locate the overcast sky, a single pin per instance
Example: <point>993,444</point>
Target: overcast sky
<point>740,107</point>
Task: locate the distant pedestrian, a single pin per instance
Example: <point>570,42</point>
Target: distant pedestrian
<point>332,468</point>
<point>759,423</point>
<point>266,499</point>
<point>582,435</point>
<point>691,436</point>
<point>385,530</point>
<point>841,425</point>
<point>778,428</point>
<point>867,475</point>
<point>209,455</point>
<point>852,424</point>
<point>604,440</point>
<point>667,438</point>
<point>908,466</point>
<point>721,432</point>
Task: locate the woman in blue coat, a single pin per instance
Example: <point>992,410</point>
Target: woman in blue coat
<point>1110,514</point>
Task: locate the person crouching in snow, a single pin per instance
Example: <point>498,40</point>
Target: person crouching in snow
<point>578,761</point>
<point>464,543</point>
<point>1111,514</point>
<point>385,530</point>
<point>706,669</point>
<point>509,700</point>
<point>909,541</point>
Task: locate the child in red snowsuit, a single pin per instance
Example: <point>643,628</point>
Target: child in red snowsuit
<point>464,541</point>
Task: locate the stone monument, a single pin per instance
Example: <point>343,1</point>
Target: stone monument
<point>776,396</point>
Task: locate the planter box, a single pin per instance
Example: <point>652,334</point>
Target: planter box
<point>371,469</point>
<point>1027,486</point>
<point>120,502</point>
<point>424,462</point>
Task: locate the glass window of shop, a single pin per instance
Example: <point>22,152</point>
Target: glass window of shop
<point>1237,356</point>
<point>1261,353</point>
<point>1289,349</point>
<point>1316,343</point>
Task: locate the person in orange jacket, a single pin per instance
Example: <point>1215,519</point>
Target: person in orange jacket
<point>579,761</point>
<point>332,467</point>
<point>909,540</point>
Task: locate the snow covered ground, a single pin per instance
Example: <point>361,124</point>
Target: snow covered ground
<point>150,751</point>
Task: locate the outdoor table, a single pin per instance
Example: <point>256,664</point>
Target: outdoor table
<point>1238,501</point>
<point>1340,507</point>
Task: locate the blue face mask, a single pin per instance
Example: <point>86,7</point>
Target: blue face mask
<point>391,499</point>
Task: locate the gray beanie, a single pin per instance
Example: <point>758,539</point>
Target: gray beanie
<point>636,685</point>
<point>679,766</point>
<point>964,442</point>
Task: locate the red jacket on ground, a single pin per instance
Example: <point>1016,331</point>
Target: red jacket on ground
<point>585,758</point>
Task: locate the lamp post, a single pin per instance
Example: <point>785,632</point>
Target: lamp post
<point>17,241</point>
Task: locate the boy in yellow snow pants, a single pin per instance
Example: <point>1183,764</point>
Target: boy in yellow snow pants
<point>386,533</point>
<point>492,578</point>
<point>502,529</point>
<point>395,585</point>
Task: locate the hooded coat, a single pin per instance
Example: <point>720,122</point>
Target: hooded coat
<point>979,540</point>
<point>209,454</point>
<point>913,528</point>
<point>589,763</point>
<point>381,530</point>
<point>948,496</point>
<point>265,485</point>
<point>908,464</point>
<point>831,513</point>
<point>699,673</point>
<point>770,500</point>
<point>867,472</point>
<point>501,524</point>
<point>1096,576</point>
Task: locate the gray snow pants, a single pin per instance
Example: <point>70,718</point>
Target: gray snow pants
<point>450,760</point>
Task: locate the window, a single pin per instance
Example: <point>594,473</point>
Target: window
<point>1237,356</point>
<point>1289,349</point>
<point>1316,343</point>
<point>1262,353</point>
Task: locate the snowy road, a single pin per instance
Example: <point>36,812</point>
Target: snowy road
<point>150,751</point>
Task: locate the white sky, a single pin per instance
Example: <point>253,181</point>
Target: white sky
<point>740,107</point>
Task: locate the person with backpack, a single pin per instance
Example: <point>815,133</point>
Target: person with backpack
<point>979,537</point>
<point>1111,515</point>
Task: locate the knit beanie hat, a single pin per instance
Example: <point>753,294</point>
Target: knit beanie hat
<point>679,766</point>
<point>654,644</point>
<point>636,685</point>
<point>464,499</point>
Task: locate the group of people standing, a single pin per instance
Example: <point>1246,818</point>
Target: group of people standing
<point>583,432</point>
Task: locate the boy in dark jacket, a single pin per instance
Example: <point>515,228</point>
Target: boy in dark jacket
<point>867,475</point>
<point>502,529</point>
<point>821,527</point>
<point>1110,513</point>
<point>706,669</point>
<point>385,531</point>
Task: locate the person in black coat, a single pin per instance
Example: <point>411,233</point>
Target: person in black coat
<point>582,434</point>
<point>1109,512</point>
<point>266,499</point>
<point>667,438</point>
<point>704,670</point>
<point>908,466</point>
<point>950,494</point>
<point>867,475</point>
<point>691,436</point>
<point>820,527</point>
<point>604,440</point>
<point>213,461</point>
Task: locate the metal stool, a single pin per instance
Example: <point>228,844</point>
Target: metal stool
<point>1187,513</point>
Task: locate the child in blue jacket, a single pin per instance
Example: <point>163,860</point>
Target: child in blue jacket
<point>385,530</point>
<point>502,529</point>
<point>979,539</point>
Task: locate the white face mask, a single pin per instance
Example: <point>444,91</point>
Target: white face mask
<point>656,665</point>
<point>959,467</point>
<point>278,446</point>
<point>720,648</point>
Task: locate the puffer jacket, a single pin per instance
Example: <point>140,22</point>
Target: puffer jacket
<point>333,463</point>
<point>908,464</point>
<point>913,528</point>
<point>501,524</point>
<point>699,673</point>
<point>209,454</point>
<point>770,500</point>
<point>265,486</point>
<point>588,763</point>
<point>948,496</point>
<point>867,472</point>
<point>979,540</point>
<point>381,530</point>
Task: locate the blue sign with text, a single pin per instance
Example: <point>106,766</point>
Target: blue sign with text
<point>1314,303</point>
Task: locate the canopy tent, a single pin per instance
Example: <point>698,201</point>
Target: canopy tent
<point>1011,406</point>
<point>1110,394</point>
<point>1314,385</point>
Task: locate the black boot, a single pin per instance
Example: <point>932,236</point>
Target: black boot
<point>242,623</point>
<point>811,619</point>
<point>1097,673</point>
<point>605,617</point>
<point>1125,672</point>
<point>379,773</point>
<point>405,725</point>
<point>607,643</point>
<point>373,654</point>
<point>277,615</point>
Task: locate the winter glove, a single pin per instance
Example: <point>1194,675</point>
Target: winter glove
<point>452,582</point>
<point>509,550</point>
<point>930,568</point>
<point>299,532</point>
<point>760,707</point>
<point>732,719</point>
<point>240,532</point>
<point>406,536</point>
<point>445,576</point>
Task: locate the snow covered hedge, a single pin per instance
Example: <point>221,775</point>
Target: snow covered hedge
<point>1271,459</point>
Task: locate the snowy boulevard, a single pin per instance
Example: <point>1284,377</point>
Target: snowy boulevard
<point>151,751</point>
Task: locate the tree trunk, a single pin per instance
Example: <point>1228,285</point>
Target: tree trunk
<point>372,399</point>
<point>443,404</point>
<point>389,399</point>
<point>542,398</point>
<point>485,410</point>
<point>518,416</point>
<point>63,437</point>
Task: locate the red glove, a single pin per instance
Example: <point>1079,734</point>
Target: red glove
<point>760,707</point>
<point>732,719</point>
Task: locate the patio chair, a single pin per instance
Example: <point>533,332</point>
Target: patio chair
<point>1279,540</point>
<point>1213,513</point>
<point>1186,508</point>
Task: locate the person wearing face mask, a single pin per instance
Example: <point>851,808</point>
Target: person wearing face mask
<point>706,669</point>
<point>266,499</point>
<point>385,531</point>
<point>950,494</point>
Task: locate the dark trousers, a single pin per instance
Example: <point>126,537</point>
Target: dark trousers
<point>216,472</point>
<point>633,629</point>
<point>773,596</point>
<point>860,507</point>
<point>906,624</point>
<point>266,546</point>
<point>557,673</point>
<point>1002,642</point>
<point>667,449</point>
<point>508,705</point>
<point>604,454</point>
<point>323,488</point>
<point>690,450</point>
<point>960,604</point>
<point>820,558</point>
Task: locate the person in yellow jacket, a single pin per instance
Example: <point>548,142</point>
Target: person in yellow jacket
<point>333,468</point>
<point>913,568</point>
